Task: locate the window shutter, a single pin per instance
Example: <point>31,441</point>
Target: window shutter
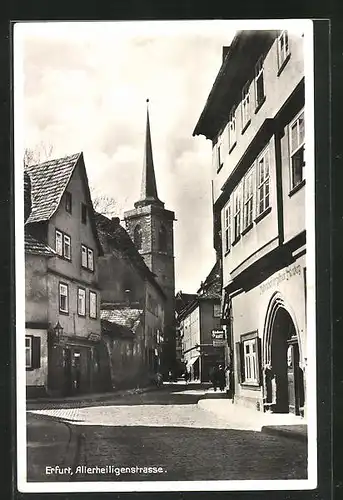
<point>239,362</point>
<point>259,360</point>
<point>36,352</point>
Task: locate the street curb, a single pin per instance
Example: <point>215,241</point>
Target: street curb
<point>289,433</point>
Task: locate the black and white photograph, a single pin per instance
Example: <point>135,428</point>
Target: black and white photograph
<point>165,255</point>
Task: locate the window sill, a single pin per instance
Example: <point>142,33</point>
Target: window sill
<point>90,317</point>
<point>236,241</point>
<point>254,386</point>
<point>232,147</point>
<point>81,315</point>
<point>246,126</point>
<point>247,229</point>
<point>280,70</point>
<point>87,269</point>
<point>65,313</point>
<point>263,214</point>
<point>63,258</point>
<point>297,188</point>
<point>30,369</point>
<point>260,104</point>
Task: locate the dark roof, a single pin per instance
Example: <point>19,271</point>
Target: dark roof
<point>121,322</point>
<point>49,181</point>
<point>183,299</point>
<point>148,189</point>
<point>112,234</point>
<point>35,247</point>
<point>210,289</point>
<point>235,71</point>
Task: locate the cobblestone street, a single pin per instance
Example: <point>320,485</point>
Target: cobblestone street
<point>167,430</point>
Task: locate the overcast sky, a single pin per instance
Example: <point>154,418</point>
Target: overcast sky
<point>85,89</point>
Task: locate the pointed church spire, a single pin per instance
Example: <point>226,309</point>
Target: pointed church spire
<point>148,188</point>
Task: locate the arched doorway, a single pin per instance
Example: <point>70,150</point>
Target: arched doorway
<point>283,381</point>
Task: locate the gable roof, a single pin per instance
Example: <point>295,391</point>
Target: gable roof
<point>36,247</point>
<point>49,180</point>
<point>111,232</point>
<point>121,322</point>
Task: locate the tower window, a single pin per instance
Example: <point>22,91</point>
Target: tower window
<point>138,237</point>
<point>162,239</point>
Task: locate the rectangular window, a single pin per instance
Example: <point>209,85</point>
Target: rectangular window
<point>297,146</point>
<point>263,201</point>
<point>90,259</point>
<point>63,298</point>
<point>92,305</point>
<point>28,352</point>
<point>227,227</point>
<point>248,198</point>
<point>250,361</point>
<point>87,258</point>
<point>59,243</point>
<point>246,112</point>
<point>81,302</point>
<point>83,213</point>
<point>66,247</point>
<point>220,154</point>
<point>237,213</point>
<point>68,200</point>
<point>259,83</point>
<point>217,310</point>
<point>232,129</point>
<point>83,256</point>
<point>283,49</point>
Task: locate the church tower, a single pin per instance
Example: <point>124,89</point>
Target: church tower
<point>150,226</point>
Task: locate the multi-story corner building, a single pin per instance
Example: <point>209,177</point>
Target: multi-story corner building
<point>255,118</point>
<point>132,308</point>
<point>150,226</point>
<point>62,293</point>
<point>198,320</point>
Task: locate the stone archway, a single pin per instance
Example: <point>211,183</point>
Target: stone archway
<point>283,377</point>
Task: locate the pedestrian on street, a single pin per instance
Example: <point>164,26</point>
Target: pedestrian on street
<point>221,377</point>
<point>214,377</point>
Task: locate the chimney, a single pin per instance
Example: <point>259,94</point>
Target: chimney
<point>225,51</point>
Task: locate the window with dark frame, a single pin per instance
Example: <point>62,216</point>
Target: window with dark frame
<point>220,153</point>
<point>283,48</point>
<point>83,213</point>
<point>259,82</point>
<point>81,301</point>
<point>92,305</point>
<point>263,183</point>
<point>237,213</point>
<point>62,244</point>
<point>68,202</point>
<point>227,227</point>
<point>248,359</point>
<point>28,352</point>
<point>248,198</point>
<point>232,128</point>
<point>63,298</point>
<point>87,258</point>
<point>297,146</point>
<point>217,310</point>
<point>246,110</point>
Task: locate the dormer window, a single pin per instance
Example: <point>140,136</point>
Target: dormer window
<point>259,84</point>
<point>68,200</point>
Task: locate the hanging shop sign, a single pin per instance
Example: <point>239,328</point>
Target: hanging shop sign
<point>218,338</point>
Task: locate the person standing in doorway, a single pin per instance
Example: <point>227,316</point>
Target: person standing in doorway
<point>221,377</point>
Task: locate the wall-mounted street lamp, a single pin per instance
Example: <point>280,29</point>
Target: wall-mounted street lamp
<point>58,330</point>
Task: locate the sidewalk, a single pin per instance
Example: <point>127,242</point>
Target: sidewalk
<point>50,442</point>
<point>243,418</point>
